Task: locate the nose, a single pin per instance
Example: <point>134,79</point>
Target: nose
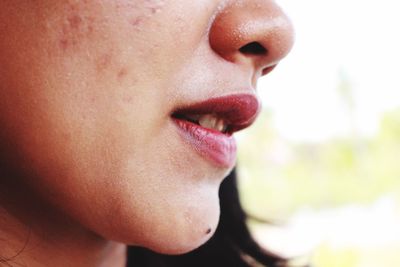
<point>254,33</point>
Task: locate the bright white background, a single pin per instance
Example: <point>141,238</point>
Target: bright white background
<point>339,43</point>
<point>358,40</point>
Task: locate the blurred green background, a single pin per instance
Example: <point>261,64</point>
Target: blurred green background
<point>344,193</point>
<point>323,160</point>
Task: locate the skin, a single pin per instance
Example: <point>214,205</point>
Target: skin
<point>89,158</point>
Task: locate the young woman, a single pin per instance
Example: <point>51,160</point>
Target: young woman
<point>117,121</point>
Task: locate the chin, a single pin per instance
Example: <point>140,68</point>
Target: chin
<point>177,240</point>
<point>182,241</point>
<point>168,224</point>
<point>177,248</point>
<point>186,232</point>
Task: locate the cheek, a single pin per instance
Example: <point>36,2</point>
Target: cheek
<point>89,121</point>
<point>158,198</point>
<point>114,165</point>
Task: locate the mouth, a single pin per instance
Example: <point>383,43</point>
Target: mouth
<point>208,126</point>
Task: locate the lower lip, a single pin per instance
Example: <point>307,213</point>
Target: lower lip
<point>216,147</point>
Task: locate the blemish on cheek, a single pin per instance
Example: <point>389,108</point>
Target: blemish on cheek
<point>208,231</point>
<point>136,21</point>
<point>75,27</point>
<point>73,6</point>
<point>90,29</point>
<point>103,62</point>
<point>128,99</point>
<point>67,137</point>
<point>74,21</point>
<point>155,10</point>
<point>64,44</point>
<point>146,10</point>
<point>155,6</point>
<point>122,73</point>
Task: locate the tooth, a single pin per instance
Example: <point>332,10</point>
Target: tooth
<point>212,122</point>
<point>208,121</point>
<point>193,118</point>
<point>220,125</point>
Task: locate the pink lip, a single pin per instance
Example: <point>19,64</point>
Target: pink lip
<point>239,111</point>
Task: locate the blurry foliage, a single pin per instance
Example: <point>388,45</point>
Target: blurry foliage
<point>277,177</point>
<point>328,256</point>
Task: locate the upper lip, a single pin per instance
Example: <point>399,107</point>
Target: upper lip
<point>237,110</point>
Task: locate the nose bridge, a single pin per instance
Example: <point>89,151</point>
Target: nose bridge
<point>253,31</point>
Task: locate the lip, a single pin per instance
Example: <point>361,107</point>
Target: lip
<point>238,111</point>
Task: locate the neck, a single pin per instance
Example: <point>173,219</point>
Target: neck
<point>34,234</point>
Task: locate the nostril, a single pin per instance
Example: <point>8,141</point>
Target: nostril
<point>267,70</point>
<point>253,48</point>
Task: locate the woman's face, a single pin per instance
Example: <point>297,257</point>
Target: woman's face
<point>106,108</point>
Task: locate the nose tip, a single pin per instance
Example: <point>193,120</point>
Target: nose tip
<point>253,32</point>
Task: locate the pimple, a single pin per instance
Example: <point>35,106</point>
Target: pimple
<point>75,27</point>
<point>73,6</point>
<point>122,73</point>
<point>64,44</point>
<point>74,21</point>
<point>155,6</point>
<point>67,137</point>
<point>127,99</point>
<point>90,29</point>
<point>103,62</point>
<point>136,21</point>
<point>149,8</point>
<point>155,10</point>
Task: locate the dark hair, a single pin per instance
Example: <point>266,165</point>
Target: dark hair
<point>231,246</point>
